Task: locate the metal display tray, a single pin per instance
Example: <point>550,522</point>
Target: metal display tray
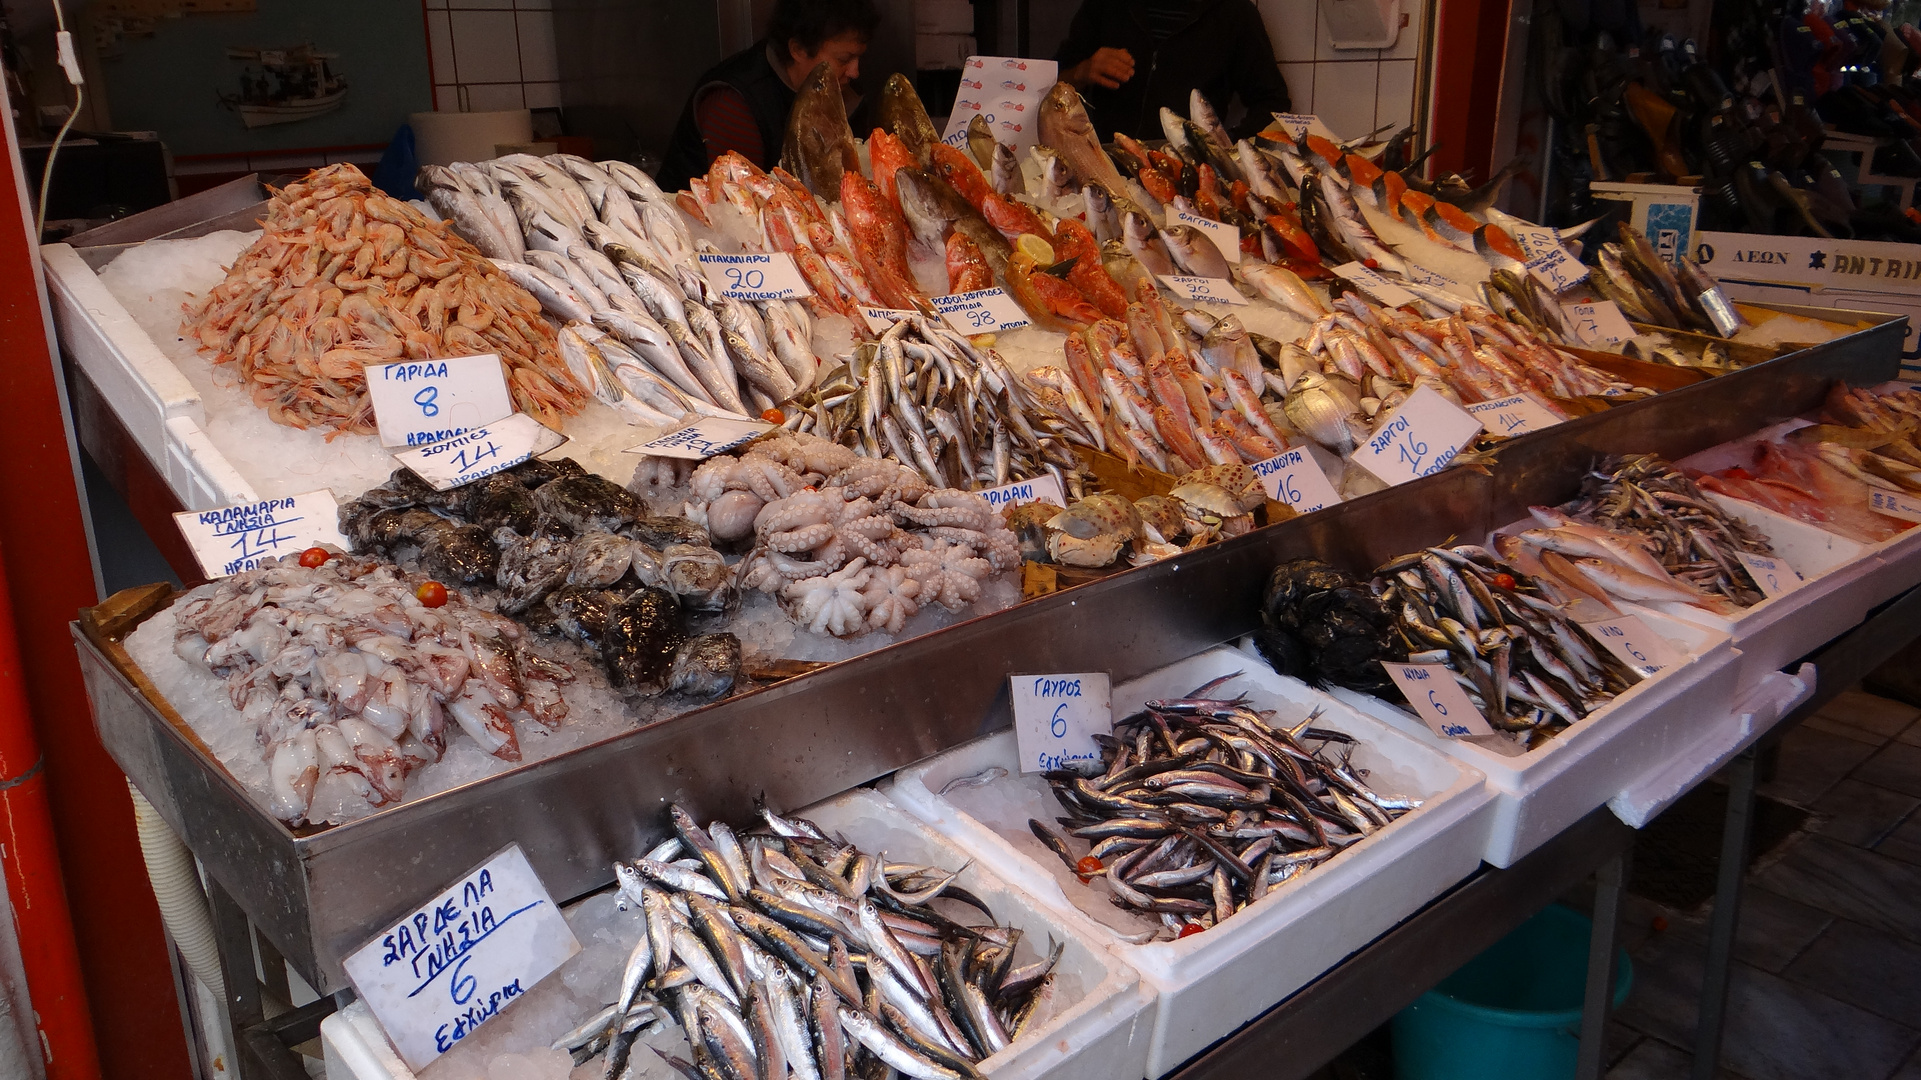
<point>319,893</point>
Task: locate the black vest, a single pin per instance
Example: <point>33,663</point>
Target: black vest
<point>768,98</point>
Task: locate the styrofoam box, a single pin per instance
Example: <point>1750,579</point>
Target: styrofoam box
<point>159,407</point>
<point>1540,792</point>
<point>1843,578</point>
<point>1761,707</point>
<point>1212,983</point>
<point>1102,1013</point>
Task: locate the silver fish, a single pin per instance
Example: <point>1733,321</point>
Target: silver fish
<point>1146,245</point>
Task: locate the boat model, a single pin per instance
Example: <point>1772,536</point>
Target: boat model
<point>290,84</point>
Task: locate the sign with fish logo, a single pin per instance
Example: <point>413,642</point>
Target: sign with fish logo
<point>1005,109</point>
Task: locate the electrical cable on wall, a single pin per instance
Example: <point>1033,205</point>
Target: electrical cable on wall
<point>70,63</point>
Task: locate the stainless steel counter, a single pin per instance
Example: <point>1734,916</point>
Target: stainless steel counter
<point>318,894</point>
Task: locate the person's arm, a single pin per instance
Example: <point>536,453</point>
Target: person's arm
<point>726,123</point>
<point>1257,78</point>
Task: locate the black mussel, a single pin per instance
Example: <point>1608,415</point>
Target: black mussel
<point>1284,652</point>
<point>587,504</point>
<point>582,613</point>
<point>699,576</point>
<point>460,553</point>
<point>500,501</point>
<point>662,531</point>
<point>530,568</point>
<point>705,666</point>
<point>600,559</point>
<point>642,636</point>
<point>1318,625</point>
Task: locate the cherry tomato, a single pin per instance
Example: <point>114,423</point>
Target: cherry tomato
<point>431,593</point>
<point>315,556</point>
<point>1659,923</point>
<point>1189,930</point>
<point>773,416</point>
<point>1505,581</point>
<point>1088,865</point>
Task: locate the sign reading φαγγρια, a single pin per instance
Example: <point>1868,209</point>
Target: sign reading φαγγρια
<point>1226,237</point>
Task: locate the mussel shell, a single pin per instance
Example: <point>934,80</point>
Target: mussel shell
<point>705,666</point>
<point>642,635</point>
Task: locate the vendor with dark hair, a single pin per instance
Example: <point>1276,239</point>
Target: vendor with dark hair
<point>1129,58</point>
<point>741,103</point>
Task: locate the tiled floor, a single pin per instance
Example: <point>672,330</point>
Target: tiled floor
<point>1827,980</point>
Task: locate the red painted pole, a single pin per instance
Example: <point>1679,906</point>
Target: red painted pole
<point>48,577</point>
<point>31,859</point>
<point>1470,43</point>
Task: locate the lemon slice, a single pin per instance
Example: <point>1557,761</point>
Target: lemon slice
<point>1035,248</point>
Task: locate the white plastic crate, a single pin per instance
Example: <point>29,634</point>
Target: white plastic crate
<point>1212,983</point>
<point>1100,1023</point>
<point>1542,791</point>
<point>1775,695</point>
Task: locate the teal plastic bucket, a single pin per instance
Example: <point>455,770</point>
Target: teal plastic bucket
<point>1513,1012</point>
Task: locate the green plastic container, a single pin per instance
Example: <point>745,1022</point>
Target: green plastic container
<point>1513,1012</point>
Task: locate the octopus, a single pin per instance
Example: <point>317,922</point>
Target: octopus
<point>833,603</point>
<point>949,574</point>
<point>889,597</point>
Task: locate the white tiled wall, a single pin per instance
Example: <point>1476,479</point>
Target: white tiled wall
<point>1353,91</point>
<point>493,54</point>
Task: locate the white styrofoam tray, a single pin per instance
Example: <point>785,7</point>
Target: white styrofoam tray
<point>1102,1014</point>
<point>1212,983</point>
<point>158,405</point>
<point>1842,581</point>
<point>1542,791</point>
<point>1775,695</point>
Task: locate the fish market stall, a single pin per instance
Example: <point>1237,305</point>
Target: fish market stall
<point>1272,418</point>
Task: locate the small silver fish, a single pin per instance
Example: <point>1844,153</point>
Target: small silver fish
<point>980,779</point>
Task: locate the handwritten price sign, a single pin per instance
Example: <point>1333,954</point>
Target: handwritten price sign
<point>1422,436</point>
<point>1021,492</point>
<point>1203,290</point>
<point>1438,700</point>
<point>1771,573</point>
<point>1296,124</point>
<point>454,963</point>
<point>423,401</point>
<point>755,277</point>
<point>1635,644</point>
<point>235,538</point>
<point>483,451</point>
<point>1226,237</point>
<point>702,439</point>
<point>1296,479</point>
<point>1558,270</point>
<point>1599,322</point>
<point>1057,716</point>
<point>1375,285</point>
<point>983,311</point>
<point>1515,415</point>
<point>1905,507</point>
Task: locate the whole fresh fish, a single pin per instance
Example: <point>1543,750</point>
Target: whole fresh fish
<point>980,141</point>
<point>1063,125</point>
<point>819,145</point>
<point>1146,245</point>
<point>1005,171</point>
<point>1195,252</point>
<point>903,115</point>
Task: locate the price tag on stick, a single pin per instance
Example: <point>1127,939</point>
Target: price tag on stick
<point>1635,643</point>
<point>1226,237</point>
<point>1515,415</point>
<point>422,401</point>
<point>1057,716</point>
<point>1296,479</point>
<point>455,962</point>
<point>1771,573</point>
<point>983,311</point>
<point>480,452</point>
<point>1894,504</point>
<point>1418,438</point>
<point>1438,699</point>
<point>1599,322</point>
<point>754,277</point>
<point>230,539</point>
